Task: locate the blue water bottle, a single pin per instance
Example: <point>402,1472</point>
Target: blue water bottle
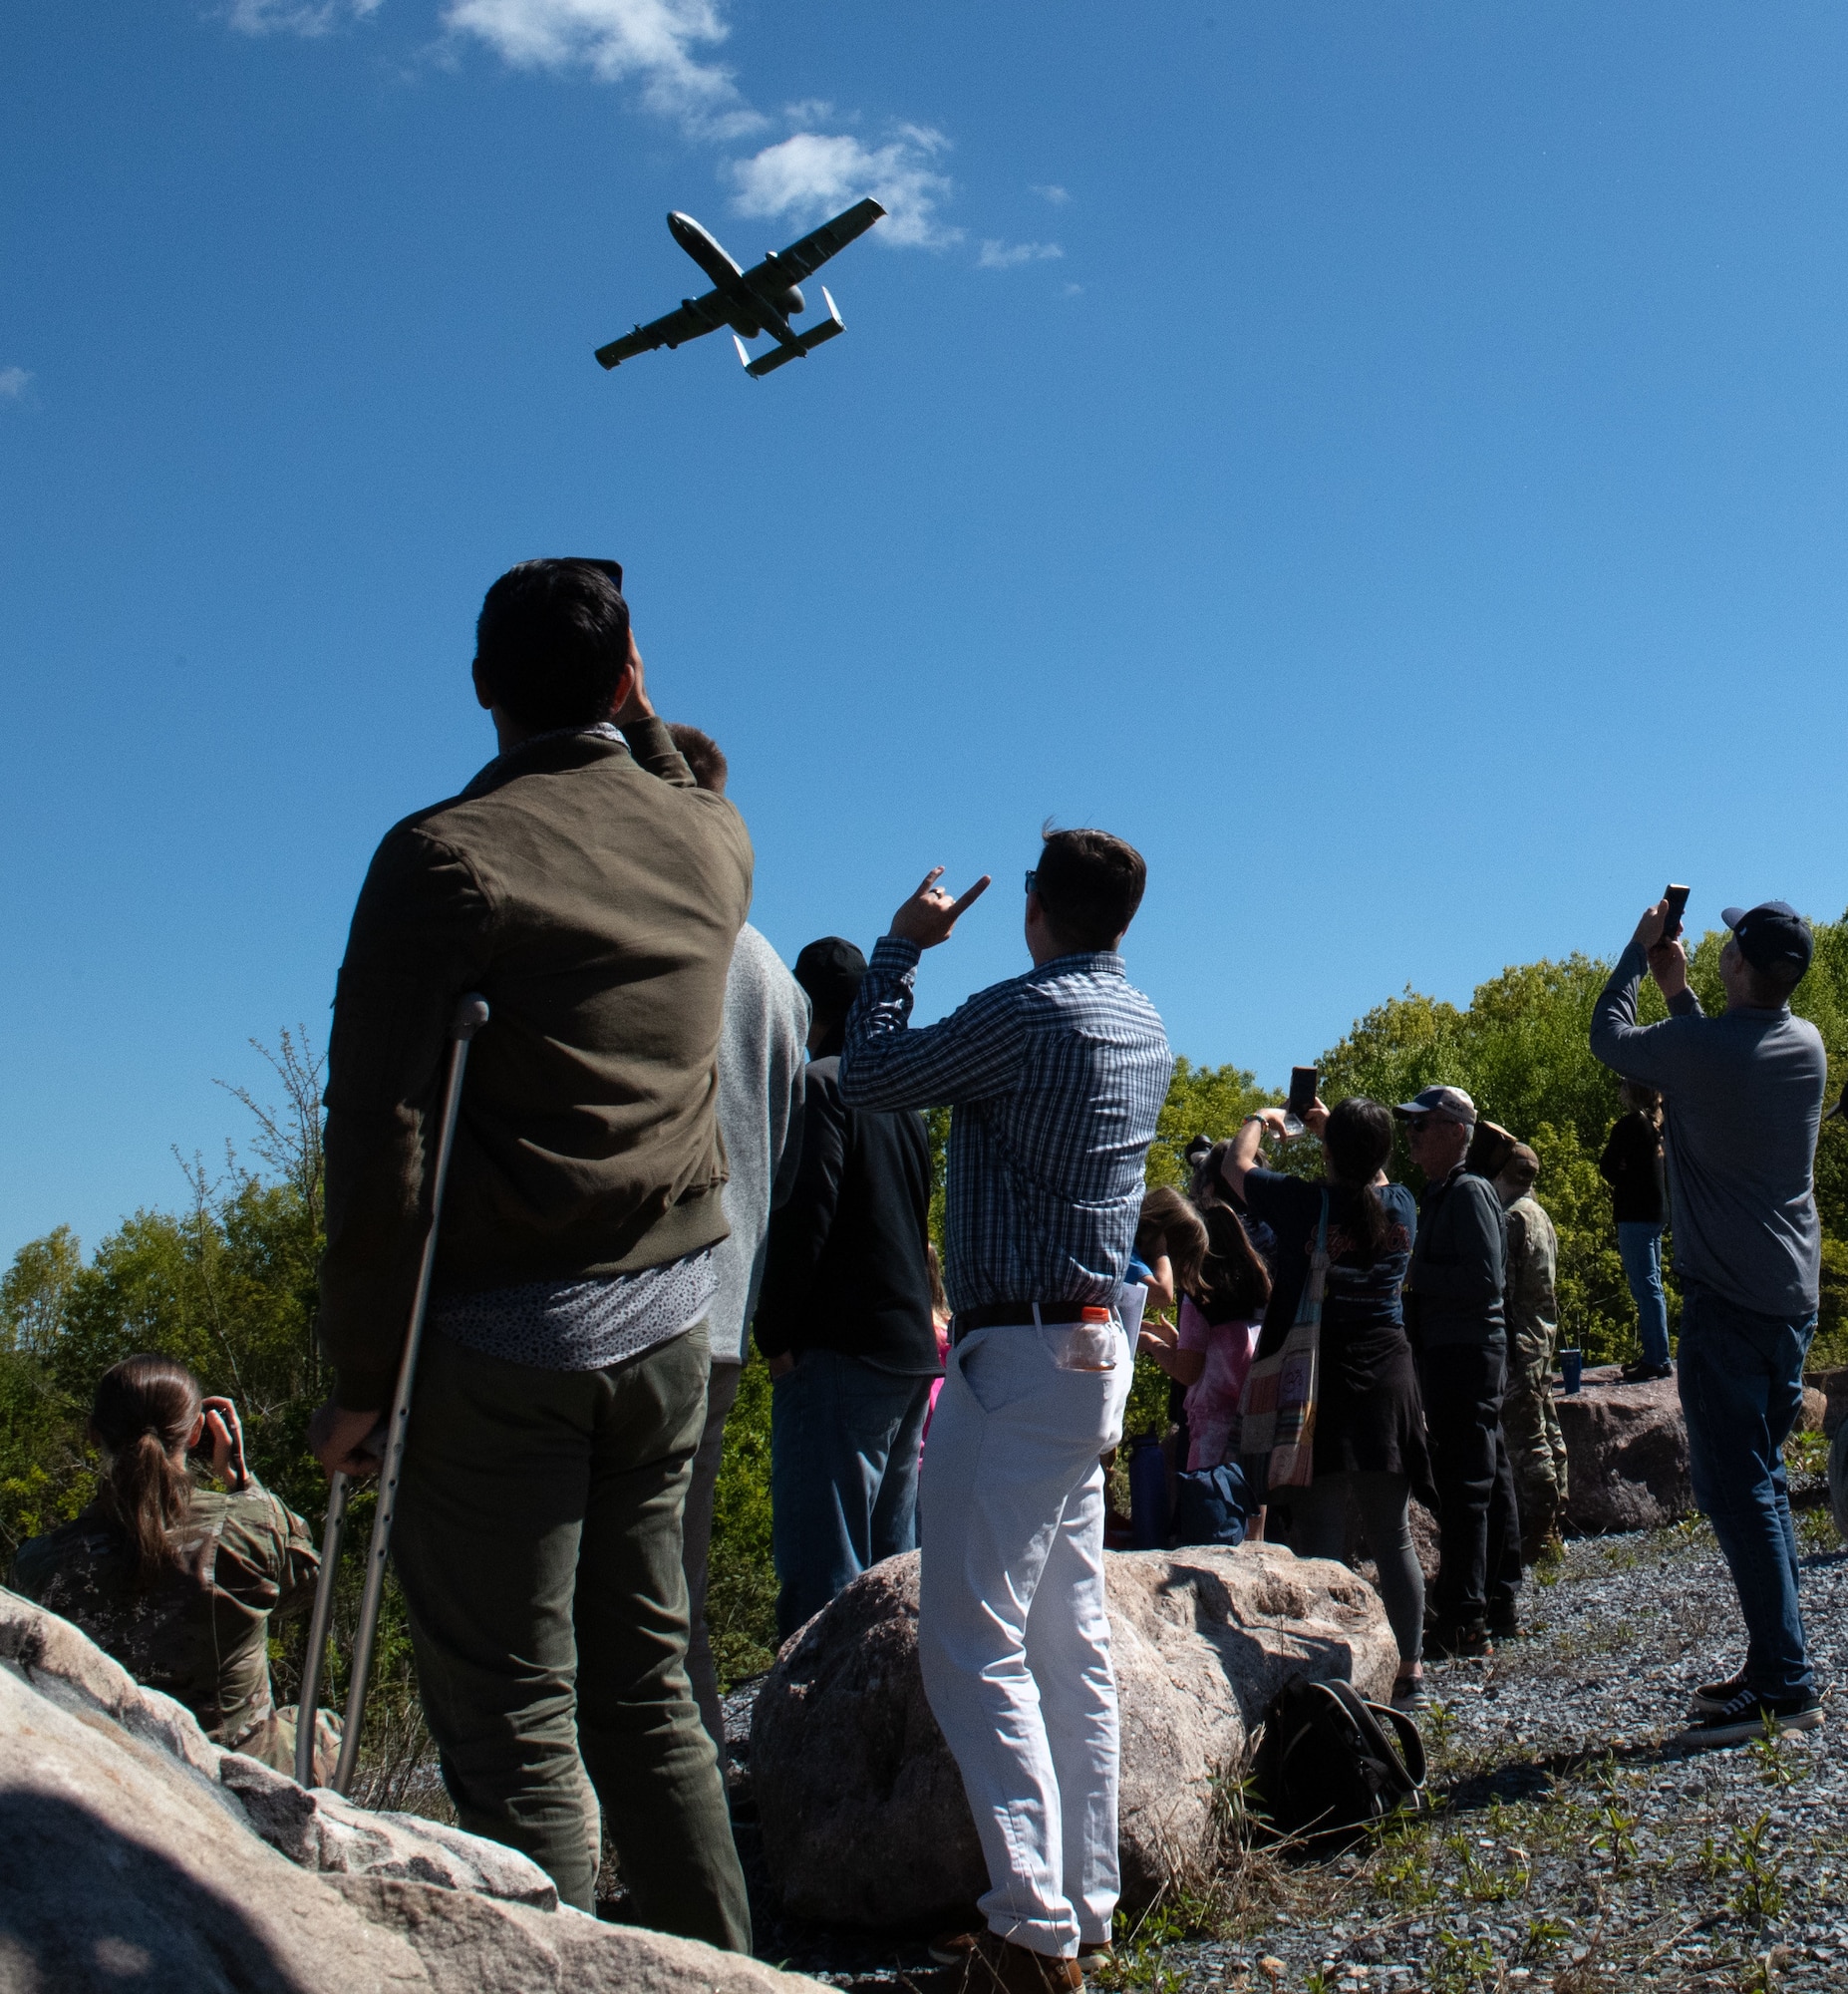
<point>1149,1493</point>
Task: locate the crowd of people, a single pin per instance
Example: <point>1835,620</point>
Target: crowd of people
<point>669,1143</point>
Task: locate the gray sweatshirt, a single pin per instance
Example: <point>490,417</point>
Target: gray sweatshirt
<point>1741,1104</point>
<point>760,1051</point>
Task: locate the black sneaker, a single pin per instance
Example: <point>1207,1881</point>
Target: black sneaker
<point>1645,1374</point>
<point>1750,1716</point>
<point>1505,1622</point>
<point>1455,1642</point>
<point>1711,1698</point>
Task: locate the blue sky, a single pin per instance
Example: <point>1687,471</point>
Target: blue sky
<point>1386,462</point>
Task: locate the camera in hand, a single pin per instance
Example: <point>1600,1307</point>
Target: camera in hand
<point>1302,1098</point>
<point>1676,897</point>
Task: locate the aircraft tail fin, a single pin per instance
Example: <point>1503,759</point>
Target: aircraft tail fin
<point>778,356</point>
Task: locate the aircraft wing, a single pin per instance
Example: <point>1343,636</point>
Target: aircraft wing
<point>693,317</point>
<point>803,258</point>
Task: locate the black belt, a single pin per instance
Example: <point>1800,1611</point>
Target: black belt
<point>1053,1314</point>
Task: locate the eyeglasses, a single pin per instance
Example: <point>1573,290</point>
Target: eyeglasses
<point>1032,874</point>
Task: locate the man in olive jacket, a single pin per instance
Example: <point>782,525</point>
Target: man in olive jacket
<point>592,895</point>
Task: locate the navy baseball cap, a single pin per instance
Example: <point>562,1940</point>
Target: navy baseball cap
<point>1773,937</point>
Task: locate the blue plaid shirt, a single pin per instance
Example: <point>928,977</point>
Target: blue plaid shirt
<point>1057,1079</point>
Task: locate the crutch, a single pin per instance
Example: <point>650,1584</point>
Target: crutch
<point>471,1015</point>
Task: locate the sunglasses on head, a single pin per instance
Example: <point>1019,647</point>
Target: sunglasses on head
<point>612,569</point>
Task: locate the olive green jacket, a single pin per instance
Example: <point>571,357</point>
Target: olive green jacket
<point>592,895</point>
<point>200,1633</point>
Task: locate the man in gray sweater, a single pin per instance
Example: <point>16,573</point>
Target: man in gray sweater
<point>760,1078</point>
<point>1742,1105</point>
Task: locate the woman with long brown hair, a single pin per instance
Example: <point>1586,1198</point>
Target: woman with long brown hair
<point>179,1583</point>
<point>1223,1286</point>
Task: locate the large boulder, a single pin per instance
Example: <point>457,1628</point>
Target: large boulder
<point>862,1809</point>
<point>1832,1388</point>
<point>135,1851</point>
<point>1626,1454</point>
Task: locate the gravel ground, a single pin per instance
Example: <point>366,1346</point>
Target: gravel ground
<point>1569,1847</point>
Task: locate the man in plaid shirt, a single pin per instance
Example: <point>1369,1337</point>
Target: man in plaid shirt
<point>1057,1079</point>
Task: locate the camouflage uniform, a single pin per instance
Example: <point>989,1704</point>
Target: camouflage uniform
<point>1535,1445</point>
<point>200,1633</point>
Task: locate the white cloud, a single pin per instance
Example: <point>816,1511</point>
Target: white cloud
<point>1056,196</point>
<point>1011,255</point>
<point>816,174</point>
<point>654,42</point>
<point>297,17</point>
<point>13,383</point>
<point>1073,291</point>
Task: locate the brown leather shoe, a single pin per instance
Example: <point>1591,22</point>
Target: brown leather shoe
<point>999,1966</point>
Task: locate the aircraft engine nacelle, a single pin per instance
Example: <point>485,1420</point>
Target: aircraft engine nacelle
<point>745,328</point>
<point>792,302</point>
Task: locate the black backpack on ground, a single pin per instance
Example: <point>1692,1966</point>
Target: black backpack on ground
<point>1332,1764</point>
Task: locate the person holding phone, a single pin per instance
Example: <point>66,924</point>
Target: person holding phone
<point>1743,1101</point>
<point>181,1584</point>
<point>1057,1079</point>
<point>1369,1422</point>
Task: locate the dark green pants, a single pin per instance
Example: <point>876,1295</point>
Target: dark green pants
<point>539,1543</point>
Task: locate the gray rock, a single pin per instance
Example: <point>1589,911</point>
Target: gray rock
<point>471,1946</point>
<point>1833,1386</point>
<point>863,1811</point>
<point>135,1851</point>
<point>1627,1453</point>
<point>121,1864</point>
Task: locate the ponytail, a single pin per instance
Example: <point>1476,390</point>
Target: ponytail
<point>1356,1143</point>
<point>142,1418</point>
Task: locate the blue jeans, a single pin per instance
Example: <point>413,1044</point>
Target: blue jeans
<point>844,1440</point>
<point>1639,1243</point>
<point>1741,1385</point>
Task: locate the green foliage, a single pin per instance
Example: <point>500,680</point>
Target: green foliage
<point>740,1594</point>
<point>1202,1101</point>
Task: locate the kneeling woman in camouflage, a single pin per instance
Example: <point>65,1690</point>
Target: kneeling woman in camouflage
<point>179,1583</point>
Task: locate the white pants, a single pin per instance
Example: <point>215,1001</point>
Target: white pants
<point>1012,1631</point>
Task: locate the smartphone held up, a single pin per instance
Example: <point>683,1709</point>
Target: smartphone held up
<point>1676,897</point>
<point>1302,1098</point>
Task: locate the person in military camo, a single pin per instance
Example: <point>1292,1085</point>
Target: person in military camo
<point>180,1583</point>
<point>1536,1448</point>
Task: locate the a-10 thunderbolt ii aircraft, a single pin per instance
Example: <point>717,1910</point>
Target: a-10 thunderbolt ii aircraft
<point>761,299</point>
